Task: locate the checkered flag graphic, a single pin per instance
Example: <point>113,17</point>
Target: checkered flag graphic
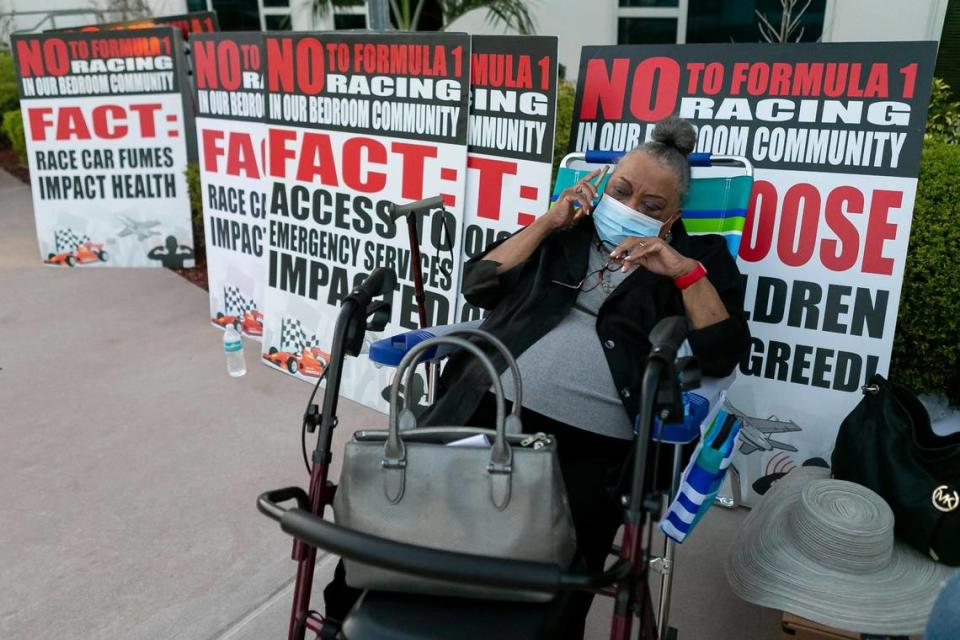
<point>235,301</point>
<point>66,240</point>
<point>293,337</point>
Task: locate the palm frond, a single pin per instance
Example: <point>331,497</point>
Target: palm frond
<point>512,14</point>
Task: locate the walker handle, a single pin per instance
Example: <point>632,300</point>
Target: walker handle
<point>406,558</point>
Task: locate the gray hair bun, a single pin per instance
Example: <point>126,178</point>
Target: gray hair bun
<point>677,133</point>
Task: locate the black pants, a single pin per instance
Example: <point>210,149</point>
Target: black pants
<point>592,467</point>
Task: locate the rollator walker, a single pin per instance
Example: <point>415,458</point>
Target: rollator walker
<point>715,204</point>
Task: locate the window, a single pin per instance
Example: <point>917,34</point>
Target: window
<point>650,21</point>
<point>737,20</point>
<point>648,3</point>
<point>196,5</point>
<point>277,22</point>
<point>237,15</point>
<point>349,21</point>
<point>646,30</point>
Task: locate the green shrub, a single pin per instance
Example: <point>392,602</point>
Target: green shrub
<point>9,96</point>
<point>926,348</point>
<point>12,127</point>
<point>943,118</point>
<point>196,205</point>
<point>566,93</point>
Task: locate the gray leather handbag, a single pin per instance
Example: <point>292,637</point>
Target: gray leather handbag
<point>406,484</point>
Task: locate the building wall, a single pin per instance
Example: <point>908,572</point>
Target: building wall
<point>575,22</point>
<point>579,23</point>
<point>883,20</point>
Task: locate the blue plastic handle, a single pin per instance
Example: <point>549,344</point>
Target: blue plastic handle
<point>608,157</point>
<point>602,157</point>
<point>390,351</point>
<point>695,410</point>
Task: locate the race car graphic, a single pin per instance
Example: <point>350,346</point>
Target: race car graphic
<point>309,361</point>
<point>252,323</point>
<point>224,320</point>
<point>84,253</point>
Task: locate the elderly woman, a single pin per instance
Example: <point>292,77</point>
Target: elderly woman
<point>574,296</point>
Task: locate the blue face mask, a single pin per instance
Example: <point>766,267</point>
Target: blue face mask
<point>615,222</point>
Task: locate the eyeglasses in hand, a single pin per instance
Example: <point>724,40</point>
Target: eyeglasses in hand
<point>610,266</point>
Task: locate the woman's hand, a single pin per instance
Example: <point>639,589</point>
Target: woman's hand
<point>654,255</point>
<point>563,214</point>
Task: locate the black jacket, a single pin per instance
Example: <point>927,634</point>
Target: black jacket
<point>524,305</point>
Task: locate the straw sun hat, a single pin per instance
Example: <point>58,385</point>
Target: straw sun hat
<point>824,549</point>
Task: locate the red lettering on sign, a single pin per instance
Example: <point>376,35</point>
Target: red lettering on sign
<point>106,121</point>
<point>204,64</point>
<point>211,150</point>
<point>414,156</point>
<point>490,184</point>
<point>801,207</point>
<point>39,122</point>
<point>841,254</point>
<point>879,230</point>
<point>354,164</point>
<point>147,113</point>
<point>228,63</point>
<point>216,65</point>
<point>36,59</point>
<point>242,156</point>
<point>280,151</point>
<point>656,85</point>
<point>761,221</point>
<point>316,160</point>
<point>280,64</point>
<point>71,124</point>
<point>796,225</point>
<point>604,89</point>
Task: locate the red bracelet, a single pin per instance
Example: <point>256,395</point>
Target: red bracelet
<point>692,276</point>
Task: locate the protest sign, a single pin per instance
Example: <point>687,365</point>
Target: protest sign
<point>834,131</point>
<point>187,23</point>
<point>513,82</point>
<point>104,122</point>
<point>357,122</point>
<point>228,68</point>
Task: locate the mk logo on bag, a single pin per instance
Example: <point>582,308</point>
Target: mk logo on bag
<point>944,499</point>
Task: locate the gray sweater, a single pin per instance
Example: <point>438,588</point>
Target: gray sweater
<point>565,373</point>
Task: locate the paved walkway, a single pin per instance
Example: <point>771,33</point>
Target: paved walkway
<point>130,463</point>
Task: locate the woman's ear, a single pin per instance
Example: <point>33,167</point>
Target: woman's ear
<point>665,229</point>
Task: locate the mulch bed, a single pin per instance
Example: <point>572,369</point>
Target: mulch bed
<point>9,161</point>
<point>197,275</point>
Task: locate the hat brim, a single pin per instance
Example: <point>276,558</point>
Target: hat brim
<point>764,568</point>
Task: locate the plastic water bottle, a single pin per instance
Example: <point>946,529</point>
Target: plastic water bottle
<point>233,346</point>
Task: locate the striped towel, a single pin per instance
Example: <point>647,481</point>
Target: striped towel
<point>704,474</point>
<point>718,205</point>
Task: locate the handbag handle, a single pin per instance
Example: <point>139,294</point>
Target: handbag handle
<point>513,421</point>
<point>513,424</point>
<point>394,459</point>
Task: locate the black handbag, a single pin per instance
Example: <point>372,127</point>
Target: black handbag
<point>888,445</point>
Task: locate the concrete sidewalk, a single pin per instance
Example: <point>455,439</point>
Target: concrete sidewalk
<point>130,463</point>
